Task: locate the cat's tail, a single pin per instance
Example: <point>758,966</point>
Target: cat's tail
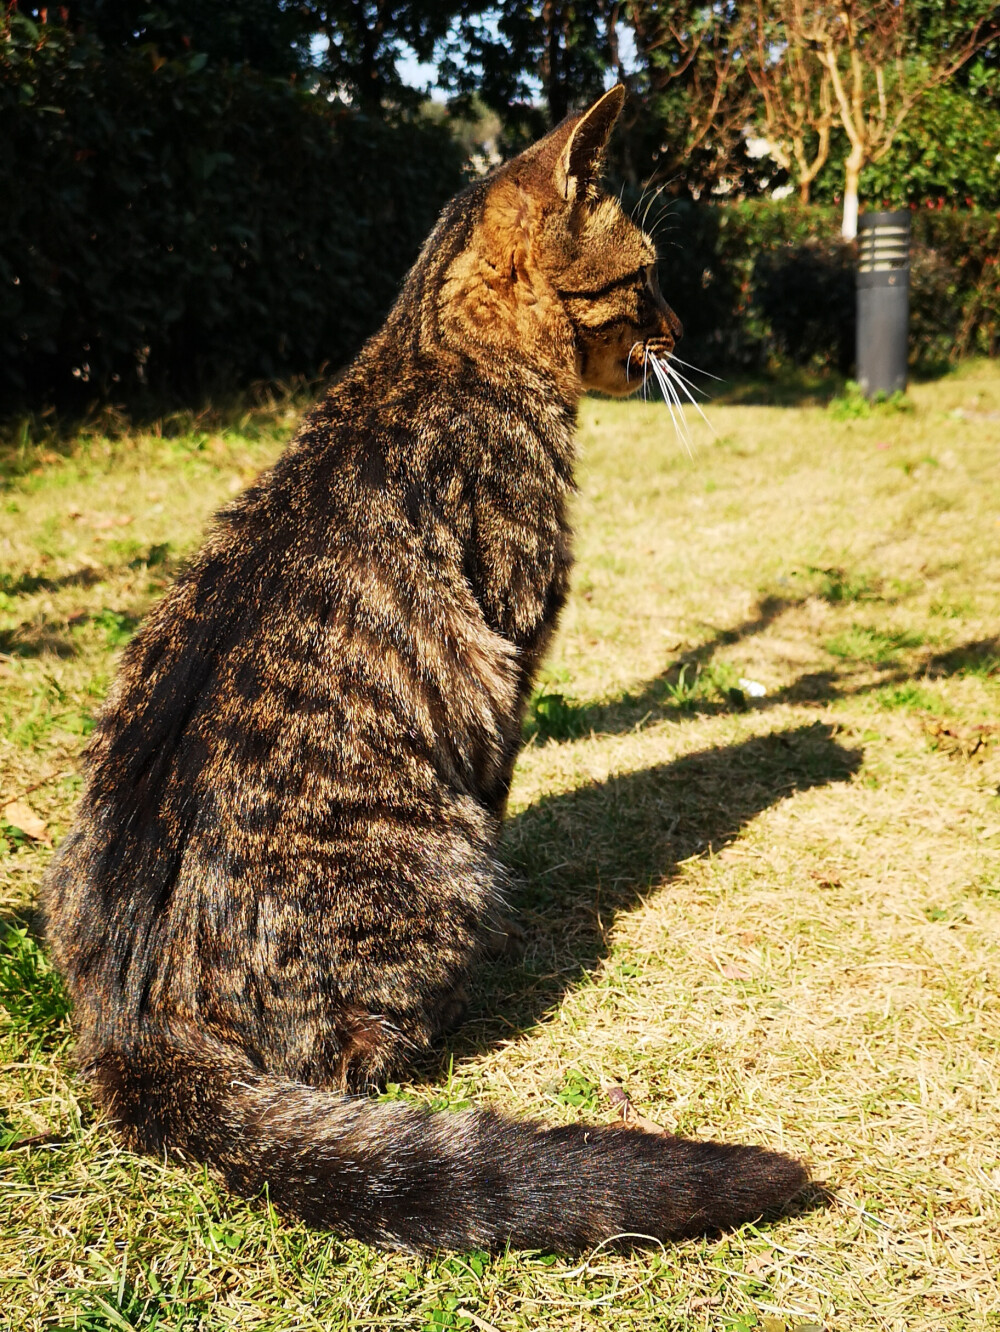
<point>390,1174</point>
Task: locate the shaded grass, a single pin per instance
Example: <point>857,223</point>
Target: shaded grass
<point>772,919</point>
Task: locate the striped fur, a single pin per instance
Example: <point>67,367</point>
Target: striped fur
<point>284,861</point>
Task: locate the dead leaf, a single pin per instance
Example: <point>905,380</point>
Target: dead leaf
<point>824,880</point>
<point>19,814</point>
<point>747,938</point>
<point>705,1301</point>
<point>968,742</point>
<point>735,971</point>
<point>630,1117</point>
<point>759,1262</point>
<point>36,1140</point>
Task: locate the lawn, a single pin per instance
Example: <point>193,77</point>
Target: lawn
<point>755,840</point>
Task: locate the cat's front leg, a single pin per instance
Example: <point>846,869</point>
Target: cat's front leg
<point>503,940</point>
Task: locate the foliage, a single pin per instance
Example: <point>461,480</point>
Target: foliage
<point>507,53</point>
<point>948,149</point>
<point>695,97</point>
<point>364,40</point>
<point>762,283</point>
<point>854,405</point>
<point>181,223</point>
<point>31,993</point>
<point>272,38</point>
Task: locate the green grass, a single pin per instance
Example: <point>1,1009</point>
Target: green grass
<point>773,919</point>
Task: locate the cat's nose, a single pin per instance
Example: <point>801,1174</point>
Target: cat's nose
<point>675,329</point>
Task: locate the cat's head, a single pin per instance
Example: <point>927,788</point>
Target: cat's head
<point>570,249</point>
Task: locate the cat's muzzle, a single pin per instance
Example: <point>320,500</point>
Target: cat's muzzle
<point>658,349</point>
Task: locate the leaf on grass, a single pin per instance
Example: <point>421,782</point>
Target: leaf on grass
<point>758,1262</point>
<point>630,1117</point>
<point>968,742</point>
<point>20,815</point>
<point>735,971</point>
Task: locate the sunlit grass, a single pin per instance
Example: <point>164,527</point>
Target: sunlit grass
<point>770,916</point>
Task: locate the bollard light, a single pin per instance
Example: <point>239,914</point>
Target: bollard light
<point>883,301</point>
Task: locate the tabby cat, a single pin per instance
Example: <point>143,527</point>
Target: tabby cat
<point>284,862</point>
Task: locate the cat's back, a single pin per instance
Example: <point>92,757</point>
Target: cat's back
<point>322,657</point>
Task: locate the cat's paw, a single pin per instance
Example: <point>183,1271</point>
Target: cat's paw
<point>451,1012</point>
<point>505,941</point>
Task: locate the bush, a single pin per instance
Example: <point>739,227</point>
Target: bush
<point>764,283</point>
<point>172,225</point>
<point>175,222</point>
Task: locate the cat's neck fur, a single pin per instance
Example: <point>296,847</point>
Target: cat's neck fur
<point>477,306</point>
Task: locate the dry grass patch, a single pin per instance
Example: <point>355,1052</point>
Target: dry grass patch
<point>769,918</point>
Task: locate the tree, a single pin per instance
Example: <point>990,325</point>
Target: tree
<point>796,109</point>
<point>945,154</point>
<point>879,70</point>
<point>694,88</point>
<point>510,54</point>
<point>364,39</point>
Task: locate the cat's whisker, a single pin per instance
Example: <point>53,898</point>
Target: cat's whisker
<point>674,386</point>
<point>662,215</point>
<point>670,396</point>
<point>652,201</point>
<point>684,379</point>
<point>628,360</point>
<point>671,399</point>
<point>680,383</point>
<point>697,369</point>
<point>640,201</point>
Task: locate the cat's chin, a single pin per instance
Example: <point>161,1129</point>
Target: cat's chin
<point>620,390</point>
<point>625,386</point>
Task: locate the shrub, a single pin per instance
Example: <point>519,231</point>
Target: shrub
<point>764,283</point>
<point>172,225</point>
<point>175,223</point>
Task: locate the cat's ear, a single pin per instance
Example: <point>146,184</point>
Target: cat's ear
<point>579,165</point>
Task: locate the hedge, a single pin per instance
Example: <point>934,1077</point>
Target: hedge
<point>176,225</point>
<point>764,283</point>
<point>171,226</point>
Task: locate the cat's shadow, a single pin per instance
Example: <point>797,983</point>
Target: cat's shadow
<point>578,860</point>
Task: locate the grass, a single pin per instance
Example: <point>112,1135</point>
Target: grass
<point>772,918</point>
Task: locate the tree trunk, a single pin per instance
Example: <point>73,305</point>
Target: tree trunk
<point>805,187</point>
<point>852,174</point>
